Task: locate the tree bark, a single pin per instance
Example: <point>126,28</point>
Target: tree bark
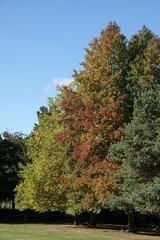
<point>13,203</point>
<point>131,221</point>
<point>76,223</point>
<point>92,222</point>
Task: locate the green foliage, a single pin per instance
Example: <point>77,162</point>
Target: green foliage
<point>41,186</point>
<point>93,113</point>
<point>104,69</point>
<point>12,153</point>
<point>69,147</point>
<point>144,60</point>
<point>138,153</point>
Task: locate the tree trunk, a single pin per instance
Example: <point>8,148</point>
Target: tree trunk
<point>13,204</point>
<point>131,221</point>
<point>76,220</point>
<point>92,222</point>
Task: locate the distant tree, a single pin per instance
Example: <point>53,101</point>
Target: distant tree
<point>138,155</point>
<point>43,110</point>
<point>12,154</point>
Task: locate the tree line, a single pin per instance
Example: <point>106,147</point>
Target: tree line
<point>96,144</point>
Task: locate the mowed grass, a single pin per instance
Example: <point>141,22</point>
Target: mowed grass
<point>64,232</point>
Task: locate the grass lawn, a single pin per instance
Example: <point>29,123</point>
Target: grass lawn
<point>64,232</point>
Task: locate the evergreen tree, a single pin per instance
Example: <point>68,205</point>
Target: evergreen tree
<point>138,155</point>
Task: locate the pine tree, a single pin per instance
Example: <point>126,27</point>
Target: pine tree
<point>138,155</point>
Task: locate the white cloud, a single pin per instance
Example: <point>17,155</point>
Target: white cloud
<point>56,81</point>
<point>61,81</point>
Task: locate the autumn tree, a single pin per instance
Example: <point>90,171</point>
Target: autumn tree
<point>90,172</point>
<point>93,113</point>
<point>75,133</point>
<point>104,69</point>
<point>102,101</point>
<point>41,186</point>
<point>144,61</point>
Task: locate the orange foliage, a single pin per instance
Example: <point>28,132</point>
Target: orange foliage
<point>93,115</point>
<point>90,131</point>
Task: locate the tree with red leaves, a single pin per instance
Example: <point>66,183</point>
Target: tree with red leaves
<point>93,116</point>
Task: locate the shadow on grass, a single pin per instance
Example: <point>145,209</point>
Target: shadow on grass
<point>121,228</point>
<point>30,217</point>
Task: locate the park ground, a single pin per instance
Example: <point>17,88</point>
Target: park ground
<point>67,232</point>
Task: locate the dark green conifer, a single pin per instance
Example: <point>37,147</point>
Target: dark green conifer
<point>139,157</point>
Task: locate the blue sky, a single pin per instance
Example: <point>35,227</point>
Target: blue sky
<point>42,41</point>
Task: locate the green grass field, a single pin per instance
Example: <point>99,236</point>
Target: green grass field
<point>64,232</point>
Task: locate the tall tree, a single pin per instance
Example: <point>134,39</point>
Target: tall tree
<point>96,110</point>
<point>138,154</point>
<point>93,113</point>
<point>104,69</point>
